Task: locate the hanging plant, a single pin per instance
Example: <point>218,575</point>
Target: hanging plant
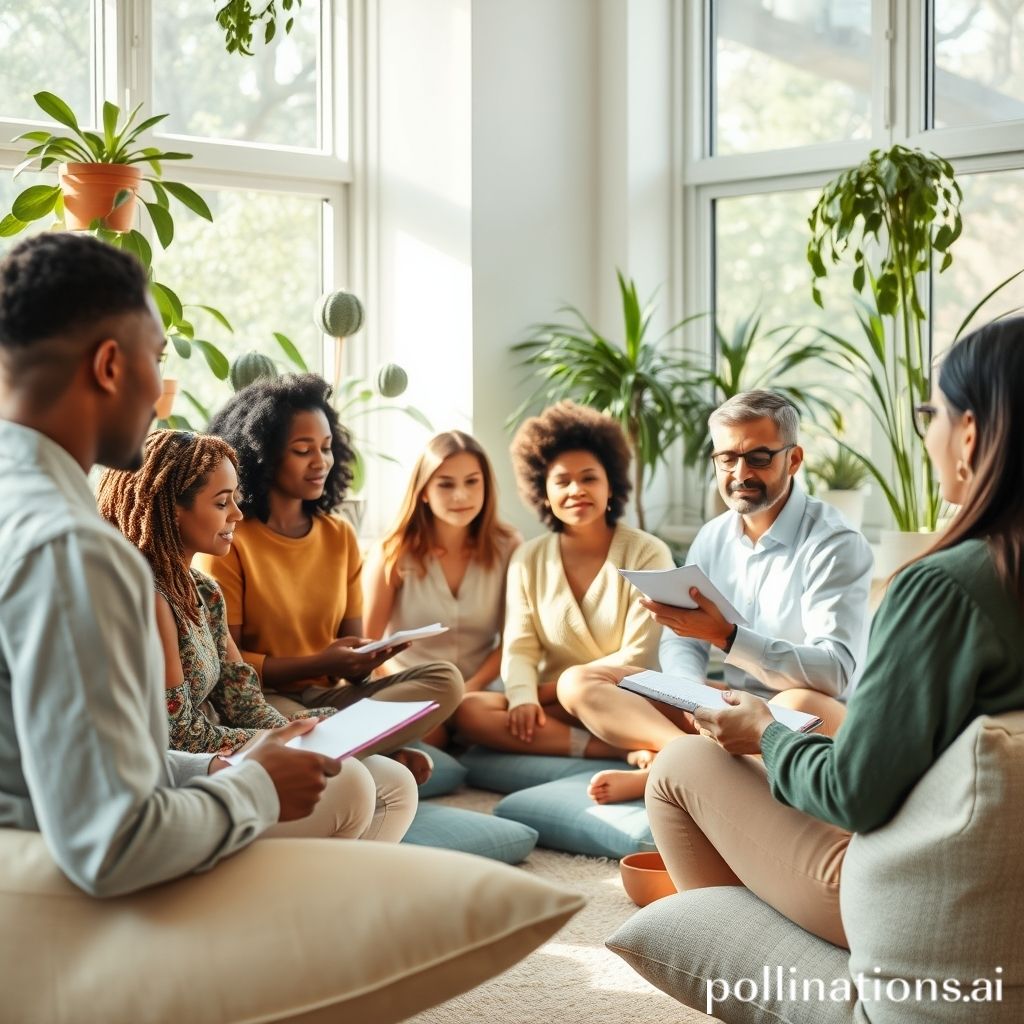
<point>239,19</point>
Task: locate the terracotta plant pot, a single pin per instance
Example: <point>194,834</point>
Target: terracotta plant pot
<point>89,192</point>
<point>165,403</point>
<point>644,878</point>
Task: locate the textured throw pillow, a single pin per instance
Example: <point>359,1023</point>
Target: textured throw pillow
<point>297,930</point>
<point>567,819</point>
<point>508,773</point>
<point>451,828</point>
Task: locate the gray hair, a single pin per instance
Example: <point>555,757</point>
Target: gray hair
<point>758,405</point>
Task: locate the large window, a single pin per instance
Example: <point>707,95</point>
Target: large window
<point>269,138</point>
<point>783,95</point>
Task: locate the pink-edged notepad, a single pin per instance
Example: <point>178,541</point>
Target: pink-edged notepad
<point>357,727</point>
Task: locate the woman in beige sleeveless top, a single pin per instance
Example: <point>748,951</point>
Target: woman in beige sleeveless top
<point>445,560</point>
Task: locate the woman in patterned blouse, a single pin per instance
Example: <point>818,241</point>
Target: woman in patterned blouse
<point>180,502</point>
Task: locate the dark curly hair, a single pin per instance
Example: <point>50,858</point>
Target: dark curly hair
<point>64,282</point>
<point>256,423</point>
<point>568,427</point>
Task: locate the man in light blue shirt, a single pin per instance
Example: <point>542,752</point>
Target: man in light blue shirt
<point>791,565</point>
<point>83,727</point>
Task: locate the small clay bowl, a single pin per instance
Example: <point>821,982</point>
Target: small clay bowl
<point>644,878</point>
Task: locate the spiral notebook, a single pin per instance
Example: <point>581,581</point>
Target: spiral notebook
<point>682,693</point>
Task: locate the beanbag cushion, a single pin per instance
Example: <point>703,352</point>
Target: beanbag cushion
<point>448,773</point>
<point>507,773</point>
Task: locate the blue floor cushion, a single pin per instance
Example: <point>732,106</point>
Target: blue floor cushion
<point>567,819</point>
<point>507,773</point>
<point>447,776</point>
<point>451,828</point>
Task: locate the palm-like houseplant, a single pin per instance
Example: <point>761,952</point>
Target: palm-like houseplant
<point>635,381</point>
<point>115,154</point>
<point>740,365</point>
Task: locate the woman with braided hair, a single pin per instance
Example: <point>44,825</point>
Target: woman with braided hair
<point>181,502</point>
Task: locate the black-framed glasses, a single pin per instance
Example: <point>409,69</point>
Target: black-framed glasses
<point>923,416</point>
<point>756,458</point>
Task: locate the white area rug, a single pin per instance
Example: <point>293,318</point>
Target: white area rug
<point>572,978</point>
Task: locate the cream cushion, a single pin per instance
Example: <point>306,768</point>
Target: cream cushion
<point>298,930</point>
<point>934,894</point>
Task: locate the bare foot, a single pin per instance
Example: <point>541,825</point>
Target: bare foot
<point>417,761</point>
<point>640,758</point>
<point>616,787</point>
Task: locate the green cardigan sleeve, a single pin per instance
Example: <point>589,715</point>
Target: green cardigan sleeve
<point>930,644</point>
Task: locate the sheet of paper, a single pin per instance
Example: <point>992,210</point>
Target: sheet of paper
<point>402,636</point>
<point>688,695</point>
<point>672,586</point>
<point>357,727</point>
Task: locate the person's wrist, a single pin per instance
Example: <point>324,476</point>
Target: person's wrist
<point>730,638</point>
<point>217,764</point>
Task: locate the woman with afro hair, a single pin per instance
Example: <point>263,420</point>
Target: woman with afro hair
<point>181,501</point>
<point>292,579</point>
<point>566,602</point>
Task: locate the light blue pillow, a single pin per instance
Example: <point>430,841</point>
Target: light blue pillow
<point>447,776</point>
<point>451,828</point>
<point>507,773</point>
<point>567,819</point>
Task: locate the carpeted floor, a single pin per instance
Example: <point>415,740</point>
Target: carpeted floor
<point>572,978</point>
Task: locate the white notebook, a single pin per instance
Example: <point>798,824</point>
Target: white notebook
<point>672,586</point>
<point>401,637</point>
<point>682,693</point>
<point>356,727</point>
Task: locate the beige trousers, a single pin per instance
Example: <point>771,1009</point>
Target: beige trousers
<point>715,822</point>
<point>375,798</point>
<point>439,681</point>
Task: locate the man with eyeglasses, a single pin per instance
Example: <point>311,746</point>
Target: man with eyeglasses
<point>797,571</point>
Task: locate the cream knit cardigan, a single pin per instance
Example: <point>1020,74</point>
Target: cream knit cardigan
<point>548,631</point>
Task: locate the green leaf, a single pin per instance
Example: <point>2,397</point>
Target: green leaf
<point>35,202</point>
<point>122,197</point>
<point>216,314</point>
<point>162,222</point>
<point>10,225</point>
<point>57,109</point>
<point>290,350</point>
<point>110,112</point>
<point>196,404</point>
<point>181,345</point>
<point>269,32</point>
<point>190,198</point>
<point>167,302</point>
<point>138,245</point>
<point>215,359</point>
<point>159,193</point>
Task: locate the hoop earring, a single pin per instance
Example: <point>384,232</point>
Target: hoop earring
<point>609,507</point>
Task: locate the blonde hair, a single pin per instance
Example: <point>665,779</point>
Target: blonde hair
<point>142,503</point>
<point>412,530</point>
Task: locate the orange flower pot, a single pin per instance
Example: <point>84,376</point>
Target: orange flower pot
<point>89,192</point>
<point>165,403</point>
<point>644,878</point>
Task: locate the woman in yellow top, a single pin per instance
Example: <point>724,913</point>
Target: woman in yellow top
<point>292,579</point>
<point>566,603</point>
<point>445,559</point>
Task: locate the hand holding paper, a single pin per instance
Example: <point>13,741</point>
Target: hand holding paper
<point>672,587</point>
<point>403,636</point>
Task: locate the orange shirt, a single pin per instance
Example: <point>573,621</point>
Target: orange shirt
<point>289,595</point>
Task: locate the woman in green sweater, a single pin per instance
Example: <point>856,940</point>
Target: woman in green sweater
<point>947,645</point>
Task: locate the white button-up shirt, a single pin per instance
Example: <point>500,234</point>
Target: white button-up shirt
<point>803,588</point>
<point>83,726</point>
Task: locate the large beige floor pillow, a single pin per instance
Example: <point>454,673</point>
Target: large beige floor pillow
<point>295,930</point>
<point>937,895</point>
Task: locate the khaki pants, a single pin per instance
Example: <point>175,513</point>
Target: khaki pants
<point>715,822</point>
<point>375,798</point>
<point>439,681</point>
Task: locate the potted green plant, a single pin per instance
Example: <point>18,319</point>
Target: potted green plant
<point>842,475</point>
<point>238,18</point>
<point>636,381</point>
<point>99,187</point>
<point>892,215</point>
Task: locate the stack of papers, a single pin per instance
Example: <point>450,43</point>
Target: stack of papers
<point>401,637</point>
